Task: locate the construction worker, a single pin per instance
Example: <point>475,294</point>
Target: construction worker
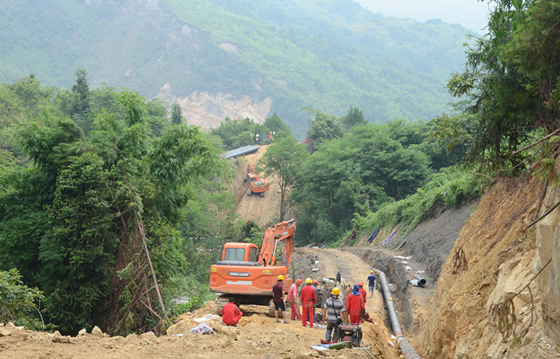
<point>362,290</point>
<point>333,310</point>
<point>278,298</point>
<point>355,305</point>
<point>308,300</point>
<point>365,315</point>
<point>314,284</point>
<point>371,279</point>
<point>231,313</point>
<point>292,299</point>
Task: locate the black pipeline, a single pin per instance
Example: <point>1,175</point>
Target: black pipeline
<point>404,345</point>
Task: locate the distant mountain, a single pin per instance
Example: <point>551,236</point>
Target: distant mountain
<point>218,56</point>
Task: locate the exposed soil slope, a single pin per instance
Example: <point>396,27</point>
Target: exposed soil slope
<point>502,259</point>
<point>262,210</point>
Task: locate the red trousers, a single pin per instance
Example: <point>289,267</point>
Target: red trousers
<point>295,311</point>
<point>355,319</point>
<point>307,310</point>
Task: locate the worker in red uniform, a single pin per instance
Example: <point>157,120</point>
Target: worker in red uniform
<point>292,299</point>
<point>308,299</point>
<point>355,305</point>
<point>365,315</point>
<point>231,313</point>
<point>362,290</point>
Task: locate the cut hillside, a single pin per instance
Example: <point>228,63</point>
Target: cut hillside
<point>503,303</point>
<point>262,210</point>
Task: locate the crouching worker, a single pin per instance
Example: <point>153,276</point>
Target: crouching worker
<point>231,313</point>
<point>332,312</point>
<point>355,305</point>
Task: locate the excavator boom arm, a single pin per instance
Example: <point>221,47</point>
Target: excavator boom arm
<point>280,232</point>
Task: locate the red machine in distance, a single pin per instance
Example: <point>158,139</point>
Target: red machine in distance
<point>256,184</point>
<point>248,277</point>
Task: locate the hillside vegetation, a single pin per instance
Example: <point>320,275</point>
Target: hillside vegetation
<point>328,55</point>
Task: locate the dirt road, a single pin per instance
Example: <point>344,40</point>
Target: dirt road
<point>262,210</point>
<point>257,335</point>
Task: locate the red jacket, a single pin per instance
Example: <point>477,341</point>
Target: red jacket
<point>231,314</point>
<point>355,304</point>
<point>364,293</point>
<point>308,295</point>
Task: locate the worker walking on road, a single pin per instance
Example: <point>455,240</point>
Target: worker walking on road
<point>355,305</point>
<point>292,299</point>
<point>231,313</point>
<point>371,279</point>
<point>308,300</point>
<point>333,314</point>
<point>278,298</point>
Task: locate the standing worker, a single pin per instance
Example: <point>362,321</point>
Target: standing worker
<point>308,300</point>
<point>371,280</point>
<point>314,284</point>
<point>332,312</point>
<point>355,305</point>
<point>362,290</point>
<point>365,316</point>
<point>292,299</point>
<point>231,313</point>
<point>278,298</point>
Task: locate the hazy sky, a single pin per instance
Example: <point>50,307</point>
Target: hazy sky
<point>471,14</point>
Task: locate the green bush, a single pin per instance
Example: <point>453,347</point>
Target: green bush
<point>450,187</point>
<point>17,301</point>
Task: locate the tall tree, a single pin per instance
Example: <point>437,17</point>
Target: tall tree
<point>111,203</point>
<point>283,161</point>
<point>511,80</point>
<point>176,113</point>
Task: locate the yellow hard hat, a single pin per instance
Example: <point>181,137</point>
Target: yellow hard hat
<point>335,291</point>
<point>280,277</point>
<point>371,272</point>
<point>308,281</point>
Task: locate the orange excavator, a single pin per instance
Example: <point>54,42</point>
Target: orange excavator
<point>256,184</point>
<point>248,277</point>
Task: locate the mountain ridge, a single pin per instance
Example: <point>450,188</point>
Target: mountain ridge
<point>388,67</point>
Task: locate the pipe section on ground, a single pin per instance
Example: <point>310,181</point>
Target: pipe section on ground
<point>421,281</point>
<point>404,345</point>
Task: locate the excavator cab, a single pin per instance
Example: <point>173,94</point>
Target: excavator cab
<point>239,254</point>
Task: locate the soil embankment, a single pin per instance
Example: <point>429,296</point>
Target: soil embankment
<point>503,301</point>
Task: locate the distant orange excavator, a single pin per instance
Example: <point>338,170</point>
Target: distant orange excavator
<point>256,184</point>
<point>242,274</point>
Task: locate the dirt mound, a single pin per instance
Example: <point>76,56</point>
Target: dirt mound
<point>262,210</point>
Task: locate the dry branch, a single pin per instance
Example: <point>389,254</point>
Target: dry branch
<point>536,143</point>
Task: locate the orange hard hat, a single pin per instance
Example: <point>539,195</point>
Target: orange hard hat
<point>361,284</point>
<point>299,281</point>
<point>315,281</point>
